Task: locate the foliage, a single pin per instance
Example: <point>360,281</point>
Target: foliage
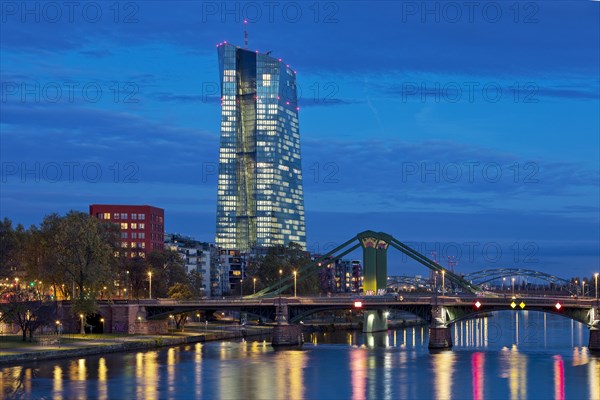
<point>180,291</point>
<point>24,310</point>
<point>11,244</point>
<point>287,259</point>
<point>195,280</point>
<point>167,269</point>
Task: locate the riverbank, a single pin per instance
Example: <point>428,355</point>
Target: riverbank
<point>14,351</point>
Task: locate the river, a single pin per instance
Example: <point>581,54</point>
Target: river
<point>507,355</point>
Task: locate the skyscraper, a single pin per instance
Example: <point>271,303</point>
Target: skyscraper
<point>260,200</point>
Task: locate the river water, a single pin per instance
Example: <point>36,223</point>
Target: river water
<point>507,355</point>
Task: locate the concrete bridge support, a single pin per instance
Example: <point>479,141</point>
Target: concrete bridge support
<point>285,334</point>
<point>375,246</point>
<point>374,321</point>
<point>440,336</point>
<point>594,345</point>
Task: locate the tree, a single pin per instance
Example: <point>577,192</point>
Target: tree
<point>86,250</point>
<point>168,269</point>
<point>11,243</point>
<point>28,314</point>
<point>138,275</point>
<point>286,259</point>
<point>195,280</point>
<point>180,291</point>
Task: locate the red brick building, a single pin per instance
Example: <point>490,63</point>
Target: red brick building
<point>142,227</point>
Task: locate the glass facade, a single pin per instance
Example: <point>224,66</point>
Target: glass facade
<point>260,200</point>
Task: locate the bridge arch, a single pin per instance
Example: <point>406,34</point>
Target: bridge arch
<point>489,275</point>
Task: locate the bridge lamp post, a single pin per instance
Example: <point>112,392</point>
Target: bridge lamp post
<point>295,273</point>
<point>503,279</point>
<point>596,279</point>
<point>513,286</point>
<point>443,283</point>
<point>241,288</point>
<point>582,288</point>
<point>280,273</point>
<point>150,286</point>
<point>254,287</point>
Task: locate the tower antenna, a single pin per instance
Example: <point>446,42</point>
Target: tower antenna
<point>246,33</point>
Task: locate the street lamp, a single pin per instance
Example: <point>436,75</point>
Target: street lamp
<point>82,329</point>
<point>280,273</point>
<point>150,287</point>
<point>513,286</point>
<point>503,279</point>
<point>582,288</point>
<point>127,285</point>
<point>254,288</point>
<point>295,273</point>
<point>241,288</point>
<point>596,279</point>
<point>443,283</point>
<point>102,322</point>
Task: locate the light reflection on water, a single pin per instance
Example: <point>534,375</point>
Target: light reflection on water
<point>500,356</point>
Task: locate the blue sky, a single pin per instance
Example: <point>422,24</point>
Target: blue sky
<point>469,131</point>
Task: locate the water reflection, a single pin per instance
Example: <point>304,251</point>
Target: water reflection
<point>57,382</point>
<point>477,371</point>
<point>443,369</point>
<point>559,378</point>
<point>505,355</point>
<point>102,384</point>
<point>358,373</point>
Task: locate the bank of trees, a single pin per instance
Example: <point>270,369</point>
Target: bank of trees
<point>79,258</point>
<point>287,259</point>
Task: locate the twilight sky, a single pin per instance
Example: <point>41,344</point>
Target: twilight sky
<point>468,129</point>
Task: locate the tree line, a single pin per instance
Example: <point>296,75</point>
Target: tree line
<point>78,257</point>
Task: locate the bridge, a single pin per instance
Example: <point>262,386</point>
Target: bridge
<point>440,311</point>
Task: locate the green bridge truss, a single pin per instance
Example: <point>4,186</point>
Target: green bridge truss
<point>375,245</point>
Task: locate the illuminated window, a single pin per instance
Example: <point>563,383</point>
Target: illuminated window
<point>116,216</point>
<point>123,225</point>
<point>142,225</point>
<point>133,225</point>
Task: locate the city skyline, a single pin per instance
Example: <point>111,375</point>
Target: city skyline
<point>260,201</point>
<point>457,134</point>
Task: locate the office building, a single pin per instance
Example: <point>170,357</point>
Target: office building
<point>142,227</point>
<point>260,200</point>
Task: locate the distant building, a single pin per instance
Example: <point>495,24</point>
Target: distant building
<point>197,256</point>
<point>260,200</point>
<point>142,227</point>
<point>230,264</point>
<point>348,276</point>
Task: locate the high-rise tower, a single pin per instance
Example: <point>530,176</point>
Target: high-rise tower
<point>260,200</point>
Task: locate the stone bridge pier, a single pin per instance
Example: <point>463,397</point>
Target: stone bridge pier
<point>284,333</point>
<point>439,332</point>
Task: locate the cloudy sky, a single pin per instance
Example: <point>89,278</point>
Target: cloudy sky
<point>467,129</point>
